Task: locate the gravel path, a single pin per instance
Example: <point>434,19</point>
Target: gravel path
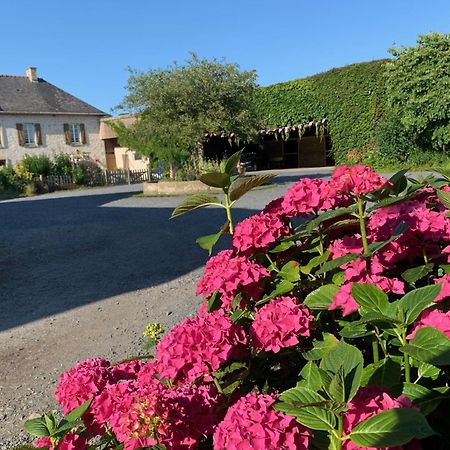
<point>83,272</point>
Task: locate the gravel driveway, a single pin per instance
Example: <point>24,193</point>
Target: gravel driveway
<point>83,272</point>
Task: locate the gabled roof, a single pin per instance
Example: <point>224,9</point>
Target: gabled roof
<point>19,95</point>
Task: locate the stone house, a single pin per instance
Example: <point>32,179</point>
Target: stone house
<point>37,117</point>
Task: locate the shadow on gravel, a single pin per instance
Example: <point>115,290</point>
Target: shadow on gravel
<point>59,254</point>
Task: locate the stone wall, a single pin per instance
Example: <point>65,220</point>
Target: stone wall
<point>53,140</point>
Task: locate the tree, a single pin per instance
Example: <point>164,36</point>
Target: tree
<point>418,89</point>
<point>179,104</point>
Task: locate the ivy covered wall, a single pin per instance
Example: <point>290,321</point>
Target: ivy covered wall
<point>351,98</point>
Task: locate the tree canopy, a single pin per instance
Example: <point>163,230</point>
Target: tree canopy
<point>179,104</point>
<point>418,89</point>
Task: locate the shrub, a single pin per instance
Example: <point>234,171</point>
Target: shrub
<point>35,165</point>
<point>10,180</point>
<point>325,326</point>
<point>62,164</point>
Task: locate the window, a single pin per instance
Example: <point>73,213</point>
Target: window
<point>29,134</point>
<point>74,133</point>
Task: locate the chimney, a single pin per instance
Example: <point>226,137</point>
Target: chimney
<point>32,74</point>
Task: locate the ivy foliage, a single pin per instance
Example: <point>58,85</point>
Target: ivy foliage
<point>351,98</point>
<point>418,89</point>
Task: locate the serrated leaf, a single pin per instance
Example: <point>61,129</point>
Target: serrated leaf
<point>283,287</point>
<point>194,201</point>
<point>314,262</point>
<point>321,348</point>
<point>354,330</point>
<point>430,346</point>
<point>290,271</point>
<point>295,401</point>
<point>414,302</point>
<point>311,376</point>
<point>322,297</point>
<point>416,273</point>
<point>428,371</point>
<point>328,215</point>
<point>36,427</point>
<point>399,182</point>
<point>427,400</point>
<point>444,197</point>
<point>245,184</point>
<point>391,428</point>
<point>335,263</point>
<point>215,179</point>
<point>64,426</point>
<point>336,387</point>
<point>282,246</point>
<point>232,162</point>
<point>78,412</point>
<point>350,359</point>
<point>370,298</point>
<point>385,373</point>
<point>208,242</point>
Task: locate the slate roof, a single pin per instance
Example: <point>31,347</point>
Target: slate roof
<point>20,95</point>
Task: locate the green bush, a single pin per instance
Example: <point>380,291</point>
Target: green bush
<point>10,180</point>
<point>62,165</point>
<point>37,164</point>
<point>351,98</point>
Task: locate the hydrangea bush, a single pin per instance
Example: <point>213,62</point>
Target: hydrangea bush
<point>326,325</point>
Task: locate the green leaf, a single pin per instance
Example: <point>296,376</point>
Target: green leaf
<point>194,202</point>
<point>321,348</point>
<point>215,179</point>
<point>430,346</point>
<point>245,184</point>
<point>350,359</point>
<point>232,162</point>
<point>399,182</point>
<point>391,428</point>
<point>385,373</point>
<point>282,246</point>
<point>335,263</point>
<point>78,412</point>
<point>428,371</point>
<point>427,400</point>
<point>297,402</point>
<point>413,303</point>
<point>374,317</point>
<point>282,287</point>
<point>314,262</point>
<point>36,427</point>
<point>370,298</point>
<point>208,242</point>
<point>416,273</point>
<point>236,301</point>
<point>399,230</point>
<point>444,197</point>
<point>322,297</point>
<point>290,271</point>
<point>328,215</point>
<point>336,387</point>
<point>50,422</point>
<point>214,302</point>
<point>311,376</point>
<point>64,426</point>
<point>354,330</point>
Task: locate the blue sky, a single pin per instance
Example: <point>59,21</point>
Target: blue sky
<point>85,46</point>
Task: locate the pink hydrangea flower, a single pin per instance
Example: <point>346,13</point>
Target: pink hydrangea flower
<point>230,274</point>
<point>258,233</point>
<point>370,401</point>
<point>126,371</point>
<point>279,323</point>
<point>194,346</point>
<point>309,195</point>
<point>432,318</point>
<point>274,207</point>
<point>252,424</point>
<point>82,382</point>
<point>70,441</point>
<point>357,179</point>
<point>445,287</point>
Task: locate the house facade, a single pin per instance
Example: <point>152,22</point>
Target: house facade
<point>37,117</point>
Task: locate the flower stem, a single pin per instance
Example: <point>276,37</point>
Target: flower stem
<point>228,210</point>
<point>406,359</point>
<point>340,429</point>
<point>376,354</point>
<point>362,226</point>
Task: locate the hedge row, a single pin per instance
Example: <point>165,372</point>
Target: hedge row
<point>351,98</point>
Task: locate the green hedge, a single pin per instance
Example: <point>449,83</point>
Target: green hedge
<point>351,98</point>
